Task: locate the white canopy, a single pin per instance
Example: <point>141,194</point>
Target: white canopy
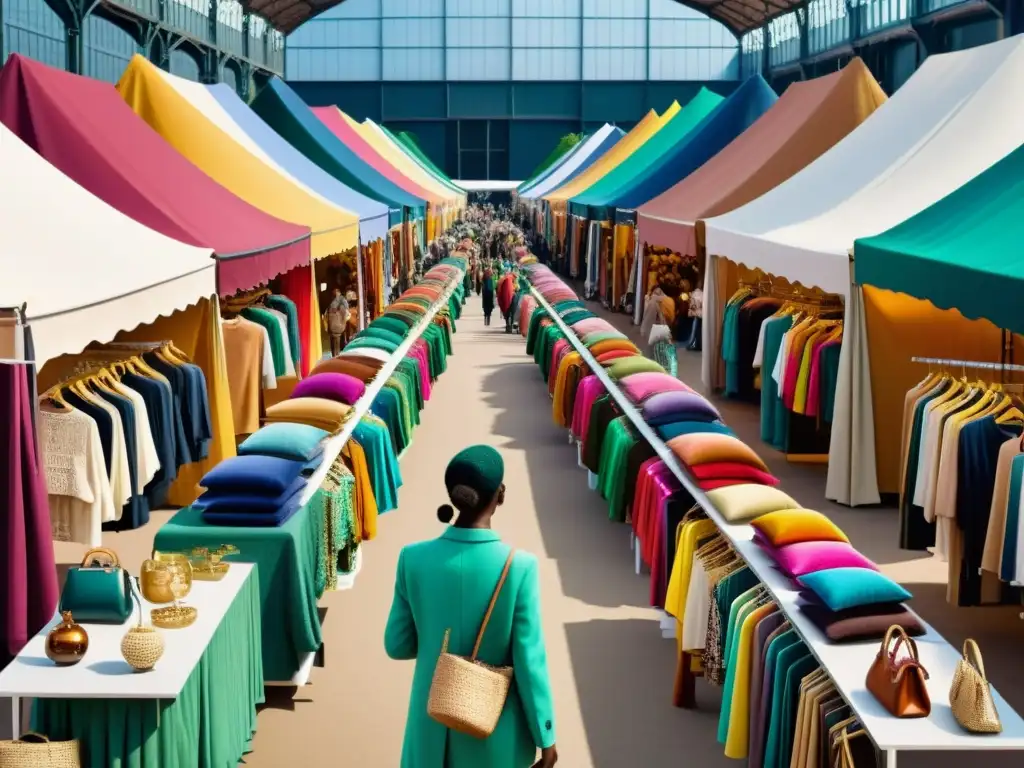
<point>603,137</point>
<point>85,270</point>
<point>960,113</point>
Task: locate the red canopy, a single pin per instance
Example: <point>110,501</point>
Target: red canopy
<point>86,130</point>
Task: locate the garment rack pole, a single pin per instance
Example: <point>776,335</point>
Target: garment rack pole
<point>975,364</point>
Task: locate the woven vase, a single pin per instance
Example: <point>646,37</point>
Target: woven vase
<point>142,648</point>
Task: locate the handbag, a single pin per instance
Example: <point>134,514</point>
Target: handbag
<point>95,592</point>
<point>970,696</point>
<point>466,694</point>
<point>33,750</point>
<point>899,685</point>
<point>659,330</point>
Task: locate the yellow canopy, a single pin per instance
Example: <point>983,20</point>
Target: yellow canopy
<point>153,97</point>
<point>401,161</point>
<point>626,146</point>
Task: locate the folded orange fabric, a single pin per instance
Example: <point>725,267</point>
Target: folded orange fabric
<point>706,447</point>
<point>607,345</point>
<point>363,368</point>
<point>314,411</point>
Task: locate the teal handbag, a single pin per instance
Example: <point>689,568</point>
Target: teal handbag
<point>98,592</point>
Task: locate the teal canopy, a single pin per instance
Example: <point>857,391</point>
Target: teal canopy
<point>964,252</point>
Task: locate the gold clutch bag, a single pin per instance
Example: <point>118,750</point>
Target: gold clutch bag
<point>970,695</point>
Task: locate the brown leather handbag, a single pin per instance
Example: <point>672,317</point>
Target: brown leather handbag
<point>899,684</point>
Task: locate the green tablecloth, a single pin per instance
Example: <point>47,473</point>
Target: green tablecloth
<point>209,725</point>
<point>288,560</point>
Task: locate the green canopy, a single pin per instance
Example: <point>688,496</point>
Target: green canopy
<point>562,148</point>
<point>649,154</point>
<point>406,143</point>
<point>964,252</point>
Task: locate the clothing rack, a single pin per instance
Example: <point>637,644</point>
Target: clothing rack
<point>846,664</point>
<point>972,364</point>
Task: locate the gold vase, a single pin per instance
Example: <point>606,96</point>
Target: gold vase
<point>165,579</point>
<point>67,643</point>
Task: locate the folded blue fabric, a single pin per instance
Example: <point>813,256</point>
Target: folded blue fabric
<point>675,429</point>
<point>221,501</point>
<point>250,520</point>
<point>312,465</point>
<point>298,442</point>
<point>253,475</point>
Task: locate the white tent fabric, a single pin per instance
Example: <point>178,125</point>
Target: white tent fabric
<point>85,270</point>
<point>959,114</point>
<point>566,169</point>
<point>201,97</point>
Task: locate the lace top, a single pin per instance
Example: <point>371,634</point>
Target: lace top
<point>80,493</point>
<point>65,440</point>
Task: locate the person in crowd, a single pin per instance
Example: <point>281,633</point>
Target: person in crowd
<point>446,584</point>
<point>506,294</point>
<point>659,309</point>
<point>353,316</point>
<point>487,294</point>
<point>336,318</point>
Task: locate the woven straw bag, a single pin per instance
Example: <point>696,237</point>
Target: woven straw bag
<point>467,695</point>
<point>970,696</point>
<point>33,750</point>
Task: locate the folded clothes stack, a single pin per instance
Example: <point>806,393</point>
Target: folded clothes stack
<point>253,490</point>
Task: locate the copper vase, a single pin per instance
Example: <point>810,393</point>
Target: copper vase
<point>67,643</point>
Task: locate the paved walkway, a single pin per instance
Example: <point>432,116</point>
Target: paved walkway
<point>611,670</point>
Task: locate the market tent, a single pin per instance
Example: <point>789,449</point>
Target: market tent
<point>963,252</point>
<point>82,127</point>
<point>400,160</point>
<point>221,105</point>
<point>651,154</point>
<point>158,98</point>
<point>731,118</point>
<point>357,144</point>
<point>575,162</point>
<point>911,153</point>
<point>85,270</point>
<point>641,133</point>
<point>417,157</point>
<point>809,119</point>
<point>957,115</point>
<point>281,109</point>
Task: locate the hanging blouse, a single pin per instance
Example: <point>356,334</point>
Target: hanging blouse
<point>77,483</point>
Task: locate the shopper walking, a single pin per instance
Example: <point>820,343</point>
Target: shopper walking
<point>445,585</point>
<point>487,295</point>
<point>336,318</point>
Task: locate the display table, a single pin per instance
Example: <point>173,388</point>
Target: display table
<point>846,663</point>
<point>287,557</point>
<point>196,708</point>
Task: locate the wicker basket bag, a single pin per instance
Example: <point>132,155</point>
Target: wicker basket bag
<point>466,694</point>
<point>970,696</point>
<point>33,750</point>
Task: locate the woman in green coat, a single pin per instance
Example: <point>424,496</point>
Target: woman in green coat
<point>447,583</point>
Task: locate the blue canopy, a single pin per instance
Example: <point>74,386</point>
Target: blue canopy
<point>727,121</point>
<point>593,149</point>
<point>374,216</point>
